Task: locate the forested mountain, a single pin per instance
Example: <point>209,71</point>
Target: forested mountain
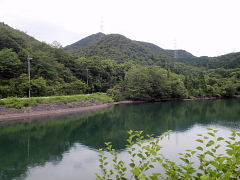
<point>124,68</point>
<point>121,49</point>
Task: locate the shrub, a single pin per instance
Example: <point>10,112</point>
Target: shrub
<point>145,155</point>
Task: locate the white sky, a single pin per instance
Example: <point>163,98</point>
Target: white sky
<point>202,27</point>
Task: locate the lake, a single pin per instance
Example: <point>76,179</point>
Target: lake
<point>66,147</point>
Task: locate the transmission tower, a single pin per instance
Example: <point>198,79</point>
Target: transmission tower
<point>101,25</point>
<point>175,49</point>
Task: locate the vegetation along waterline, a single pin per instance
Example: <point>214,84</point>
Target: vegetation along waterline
<point>24,102</point>
<point>17,108</point>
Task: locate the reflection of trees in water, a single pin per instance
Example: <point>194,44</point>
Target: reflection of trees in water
<point>51,138</point>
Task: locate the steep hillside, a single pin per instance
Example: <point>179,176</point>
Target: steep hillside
<point>46,60</point>
<point>49,66</point>
<point>85,41</point>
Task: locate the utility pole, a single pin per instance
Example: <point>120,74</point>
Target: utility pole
<point>87,80</point>
<point>87,75</point>
<point>29,77</point>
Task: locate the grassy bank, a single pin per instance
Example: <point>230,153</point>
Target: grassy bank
<point>33,101</point>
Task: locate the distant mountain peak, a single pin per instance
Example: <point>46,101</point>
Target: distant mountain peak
<point>100,34</point>
<point>85,41</point>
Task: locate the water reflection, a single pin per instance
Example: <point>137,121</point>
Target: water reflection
<point>47,145</point>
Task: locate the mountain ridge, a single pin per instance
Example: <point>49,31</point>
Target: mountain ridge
<point>119,48</point>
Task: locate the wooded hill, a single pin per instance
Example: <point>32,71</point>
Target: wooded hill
<point>114,45</point>
<point>124,68</point>
<point>119,48</point>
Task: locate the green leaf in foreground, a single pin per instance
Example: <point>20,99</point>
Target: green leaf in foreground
<point>209,164</point>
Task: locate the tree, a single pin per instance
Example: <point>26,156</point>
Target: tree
<point>150,83</point>
<point>19,86</point>
<point>56,45</point>
<point>9,64</point>
<point>39,87</point>
<point>138,83</point>
<point>76,87</point>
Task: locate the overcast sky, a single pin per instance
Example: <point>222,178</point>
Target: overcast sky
<point>202,27</point>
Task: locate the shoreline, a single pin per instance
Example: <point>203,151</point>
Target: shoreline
<point>24,115</point>
<point>34,114</point>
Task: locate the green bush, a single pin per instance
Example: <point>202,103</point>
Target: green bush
<point>145,155</point>
<point>18,103</point>
<point>117,93</point>
<point>149,83</point>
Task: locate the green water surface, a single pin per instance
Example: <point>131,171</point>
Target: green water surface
<point>65,147</point>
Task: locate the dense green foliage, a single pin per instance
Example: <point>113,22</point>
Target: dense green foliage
<point>206,162</point>
<point>126,69</point>
<point>154,83</point>
<point>101,74</point>
<point>150,83</point>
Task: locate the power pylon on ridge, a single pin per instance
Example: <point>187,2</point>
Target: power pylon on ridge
<point>101,25</point>
<point>175,49</point>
